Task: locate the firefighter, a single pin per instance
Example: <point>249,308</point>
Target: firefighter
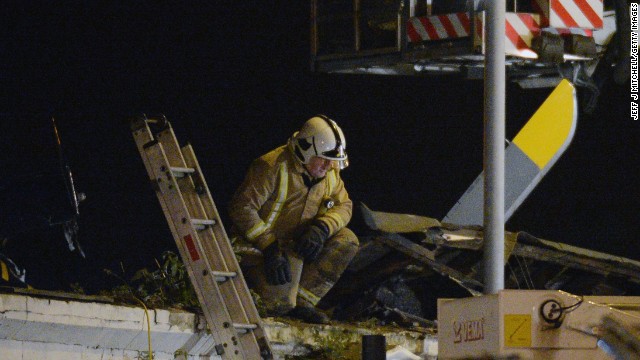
<point>290,215</point>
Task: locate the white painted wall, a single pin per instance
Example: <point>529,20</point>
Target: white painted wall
<point>41,328</point>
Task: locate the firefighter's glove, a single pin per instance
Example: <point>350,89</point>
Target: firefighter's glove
<point>276,265</point>
<point>310,244</point>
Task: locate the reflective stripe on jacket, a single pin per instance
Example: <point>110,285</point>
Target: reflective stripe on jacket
<point>274,203</point>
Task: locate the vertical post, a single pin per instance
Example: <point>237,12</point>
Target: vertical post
<point>357,41</point>
<point>373,347</point>
<point>313,33</point>
<point>403,16</point>
<point>494,135</point>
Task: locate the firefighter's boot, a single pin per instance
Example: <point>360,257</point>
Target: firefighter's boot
<point>308,313</point>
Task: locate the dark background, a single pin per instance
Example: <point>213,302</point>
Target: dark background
<point>233,78</point>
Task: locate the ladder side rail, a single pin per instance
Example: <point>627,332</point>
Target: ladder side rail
<point>220,323</point>
<point>143,136</point>
<point>171,145</point>
<point>211,250</point>
<point>211,212</point>
<point>220,254</point>
<point>218,258</point>
<point>176,159</point>
<point>216,313</point>
<point>221,238</point>
<point>205,285</point>
<point>217,250</point>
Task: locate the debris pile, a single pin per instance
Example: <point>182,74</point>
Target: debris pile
<point>406,262</point>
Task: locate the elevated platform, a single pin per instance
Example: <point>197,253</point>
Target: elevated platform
<point>391,38</point>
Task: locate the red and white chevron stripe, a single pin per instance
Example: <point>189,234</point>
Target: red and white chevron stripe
<point>438,27</point>
<point>520,29</point>
<point>570,13</point>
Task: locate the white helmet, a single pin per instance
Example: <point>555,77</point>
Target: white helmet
<point>322,137</point>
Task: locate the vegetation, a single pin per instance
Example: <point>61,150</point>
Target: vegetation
<point>168,286</point>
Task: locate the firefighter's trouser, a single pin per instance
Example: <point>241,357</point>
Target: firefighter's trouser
<point>310,281</point>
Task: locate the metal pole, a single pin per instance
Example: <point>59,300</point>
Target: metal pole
<point>403,16</point>
<point>313,33</point>
<point>494,135</point>
<point>357,37</point>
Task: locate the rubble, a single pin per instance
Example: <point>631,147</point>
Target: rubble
<point>407,262</point>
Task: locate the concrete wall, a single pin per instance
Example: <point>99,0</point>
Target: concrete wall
<point>46,328</point>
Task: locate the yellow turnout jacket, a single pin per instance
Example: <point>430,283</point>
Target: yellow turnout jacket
<point>273,202</point>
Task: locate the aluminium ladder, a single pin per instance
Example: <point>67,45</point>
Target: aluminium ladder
<point>202,241</point>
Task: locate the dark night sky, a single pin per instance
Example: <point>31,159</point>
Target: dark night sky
<point>232,77</point>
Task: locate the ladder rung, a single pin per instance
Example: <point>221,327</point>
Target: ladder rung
<point>182,171</point>
<point>222,276</point>
<point>201,224</point>
<point>244,328</point>
<point>228,299</point>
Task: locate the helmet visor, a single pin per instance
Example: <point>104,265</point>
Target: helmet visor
<point>335,154</point>
<point>338,155</point>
